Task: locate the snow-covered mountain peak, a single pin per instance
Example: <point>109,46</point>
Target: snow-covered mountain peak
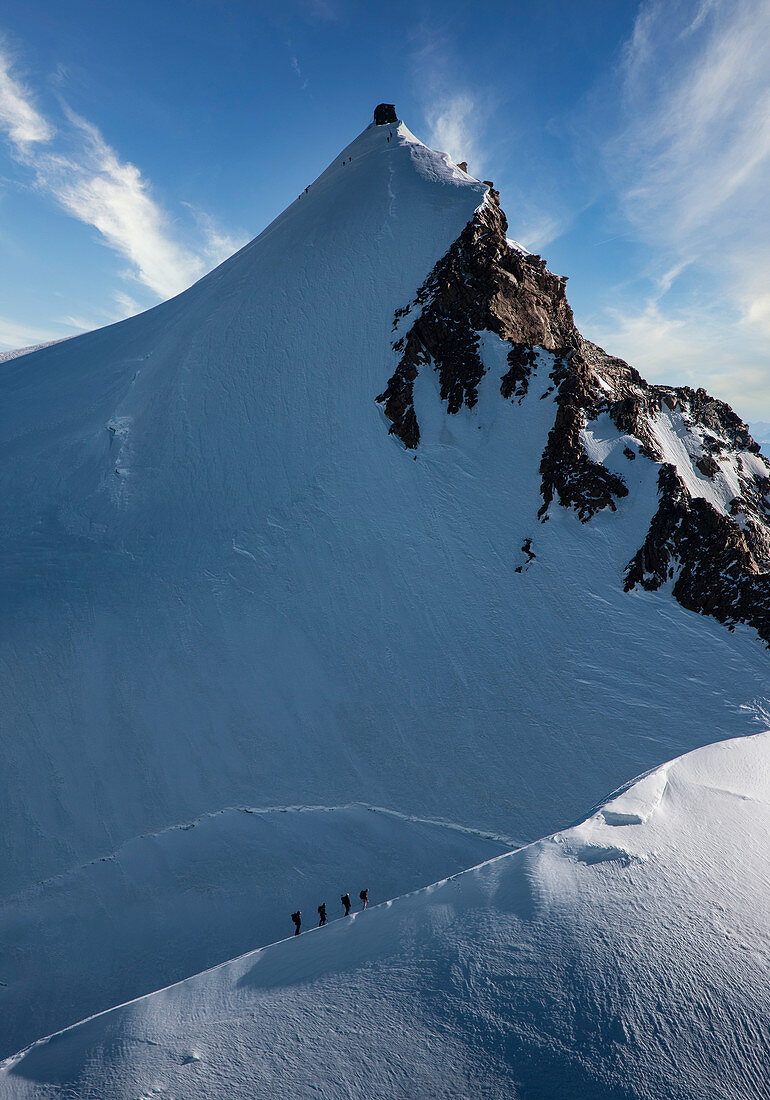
<point>711,533</point>
<point>350,520</point>
<point>390,149</point>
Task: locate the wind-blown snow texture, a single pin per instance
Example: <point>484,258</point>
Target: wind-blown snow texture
<point>225,583</point>
<point>627,957</point>
<point>165,906</point>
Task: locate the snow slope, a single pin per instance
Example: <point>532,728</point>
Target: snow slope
<point>680,443</point>
<point>627,957</point>
<point>223,582</point>
<point>165,905</point>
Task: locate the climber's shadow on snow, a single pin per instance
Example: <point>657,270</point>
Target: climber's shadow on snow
<point>407,925</point>
<point>338,947</point>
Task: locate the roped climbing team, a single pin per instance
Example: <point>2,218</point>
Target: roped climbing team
<point>345,899</point>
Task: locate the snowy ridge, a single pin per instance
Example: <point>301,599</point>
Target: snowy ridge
<point>164,905</point>
<point>625,956</point>
<point>16,353</point>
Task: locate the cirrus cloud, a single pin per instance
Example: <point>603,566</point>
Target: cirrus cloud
<point>691,159</point>
<point>89,180</point>
<point>688,160</point>
<point>19,117</point>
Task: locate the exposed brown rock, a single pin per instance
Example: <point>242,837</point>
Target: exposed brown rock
<point>482,283</point>
<point>707,466</point>
<point>515,382</point>
<point>712,561</point>
<point>398,398</point>
<point>719,562</point>
<point>631,402</point>
<point>567,471</point>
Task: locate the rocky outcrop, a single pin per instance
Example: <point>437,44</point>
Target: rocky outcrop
<point>398,398</point>
<point>718,561</point>
<point>515,382</point>
<point>567,471</point>
<point>630,401</point>
<point>709,558</point>
<point>483,283</point>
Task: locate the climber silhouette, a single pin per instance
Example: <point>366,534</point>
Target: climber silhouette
<point>345,899</point>
<point>322,914</point>
<point>297,918</point>
<point>364,896</point>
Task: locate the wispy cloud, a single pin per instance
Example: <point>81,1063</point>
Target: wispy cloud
<point>454,123</point>
<point>89,180</point>
<point>534,228</point>
<point>460,116</point>
<point>101,190</point>
<point>691,346</point>
<point>18,335</point>
<point>121,306</point>
<point>19,117</point>
<point>125,305</point>
<point>303,83</point>
<point>456,114</point>
<point>216,243</point>
<point>692,159</point>
<point>689,159</point>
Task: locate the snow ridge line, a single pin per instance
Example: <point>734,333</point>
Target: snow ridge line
<point>7,1064</point>
<point>264,811</point>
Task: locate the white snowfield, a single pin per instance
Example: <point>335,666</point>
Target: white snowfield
<point>165,906</point>
<point>626,957</point>
<point>680,441</point>
<point>681,444</point>
<point>224,584</point>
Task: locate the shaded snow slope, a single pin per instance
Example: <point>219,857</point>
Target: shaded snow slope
<point>627,957</point>
<point>164,906</point>
<point>223,583</point>
<point>154,475</point>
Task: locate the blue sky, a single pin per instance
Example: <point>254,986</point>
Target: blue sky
<point>141,143</point>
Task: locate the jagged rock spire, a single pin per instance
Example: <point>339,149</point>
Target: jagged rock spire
<point>711,533</point>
